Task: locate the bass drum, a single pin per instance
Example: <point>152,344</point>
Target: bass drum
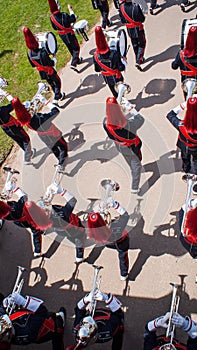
<point>48,41</point>
<point>117,40</point>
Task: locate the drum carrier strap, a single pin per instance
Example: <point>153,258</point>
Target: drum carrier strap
<point>132,23</point>
<point>107,70</point>
<point>122,141</point>
<point>63,30</point>
<point>12,121</point>
<point>187,136</point>
<point>48,69</point>
<point>192,70</point>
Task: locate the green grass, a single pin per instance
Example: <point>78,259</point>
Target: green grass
<point>15,66</point>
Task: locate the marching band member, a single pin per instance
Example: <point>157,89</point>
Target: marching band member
<point>13,129</point>
<point>186,59</point>
<point>153,6</point>
<point>103,7</point>
<point>63,217</point>
<point>188,228</point>
<point>184,4</point>
<point>25,214</point>
<point>40,59</point>
<point>131,14</point>
<point>123,132</point>
<point>105,325</point>
<point>42,124</point>
<point>61,21</point>
<point>115,236</point>
<point>153,342</point>
<point>187,128</point>
<point>107,61</point>
<point>31,322</point>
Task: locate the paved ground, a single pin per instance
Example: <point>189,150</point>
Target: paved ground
<point>156,255</point>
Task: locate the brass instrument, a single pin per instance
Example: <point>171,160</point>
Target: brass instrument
<point>17,289</point>
<point>122,90</point>
<point>35,104</point>
<point>190,87</point>
<point>171,328</point>
<point>96,286</point>
<point>3,83</point>
<point>103,206</point>
<point>7,194</point>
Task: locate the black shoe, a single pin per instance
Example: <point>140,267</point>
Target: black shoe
<point>80,60</point>
<point>182,7</point>
<point>151,11</point>
<point>62,313</point>
<point>137,65</point>
<point>63,96</point>
<point>74,68</point>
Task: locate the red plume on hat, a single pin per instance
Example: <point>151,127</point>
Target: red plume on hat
<point>114,114</point>
<point>190,225</point>
<point>36,216</point>
<point>22,114</point>
<point>97,228</point>
<point>190,49</point>
<point>53,6</point>
<point>101,43</point>
<point>190,119</point>
<point>30,39</point>
<point>5,209</point>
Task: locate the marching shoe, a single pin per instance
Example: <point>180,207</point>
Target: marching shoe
<point>123,278</point>
<point>63,96</point>
<point>137,65</point>
<point>74,68</point>
<point>135,191</point>
<point>80,60</point>
<point>62,314</point>
<point>37,255</point>
<point>61,168</point>
<point>55,102</point>
<point>151,11</point>
<point>79,260</point>
<point>27,162</point>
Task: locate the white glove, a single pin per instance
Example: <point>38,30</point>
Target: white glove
<point>54,60</point>
<point>42,98</point>
<point>179,320</point>
<point>18,299</point>
<point>85,300</point>
<point>101,296</point>
<point>54,189</point>
<point>2,92</point>
<point>7,301</point>
<point>10,186</point>
<point>159,322</point>
<point>180,107</point>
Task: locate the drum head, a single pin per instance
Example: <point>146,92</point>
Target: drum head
<point>122,43</point>
<point>51,43</point>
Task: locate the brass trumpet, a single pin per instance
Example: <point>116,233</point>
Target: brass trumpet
<point>171,328</point>
<point>35,104</point>
<point>7,194</point>
<point>17,289</point>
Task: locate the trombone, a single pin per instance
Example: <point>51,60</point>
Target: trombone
<point>17,289</point>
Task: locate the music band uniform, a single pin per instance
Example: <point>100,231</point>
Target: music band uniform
<point>109,324</point>
<point>13,128</point>
<point>132,16</point>
<point>61,22</point>
<point>32,322</point>
<point>40,59</point>
<point>107,61</point>
<point>103,7</point>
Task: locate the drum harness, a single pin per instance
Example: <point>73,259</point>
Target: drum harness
<point>48,69</point>
<point>107,70</point>
<point>132,23</point>
<point>62,30</point>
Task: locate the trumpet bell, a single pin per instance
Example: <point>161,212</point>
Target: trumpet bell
<point>189,86</point>
<point>42,88</point>
<point>122,89</point>
<point>3,82</point>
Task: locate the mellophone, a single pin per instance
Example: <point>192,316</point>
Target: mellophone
<point>96,287</point>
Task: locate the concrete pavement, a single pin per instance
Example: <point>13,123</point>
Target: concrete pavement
<point>156,256</point>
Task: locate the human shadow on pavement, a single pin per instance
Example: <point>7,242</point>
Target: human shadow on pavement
<point>75,138</point>
<point>90,85</point>
<point>169,53</point>
<point>154,245</point>
<point>97,151</point>
<point>163,166</point>
<point>159,91</point>
<point>89,63</point>
<point>45,153</point>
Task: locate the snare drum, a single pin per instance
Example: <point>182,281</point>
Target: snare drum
<point>81,27</point>
<point>187,23</point>
<point>48,41</point>
<point>117,40</point>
